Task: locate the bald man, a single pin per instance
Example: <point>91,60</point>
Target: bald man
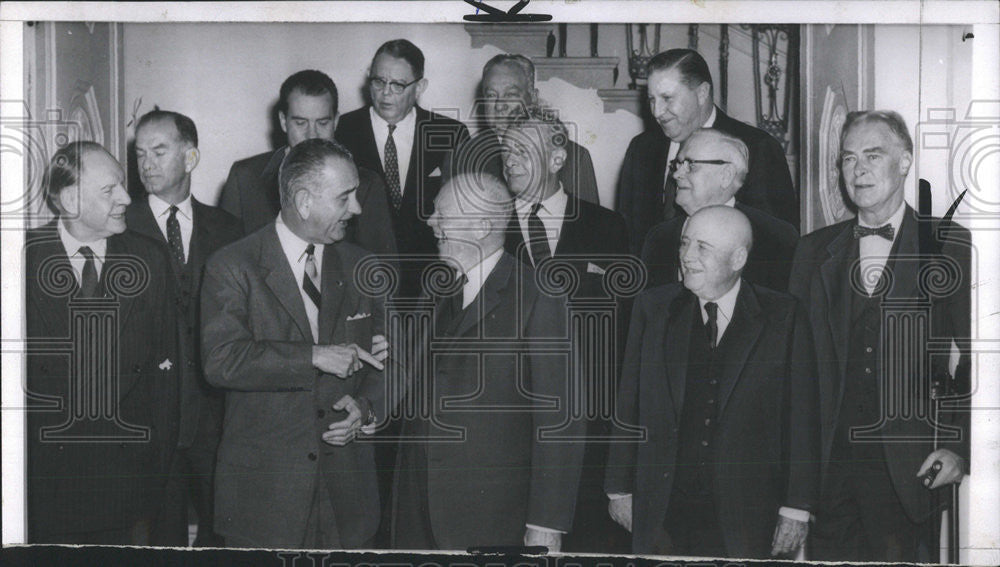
<point>710,169</point>
<point>730,408</point>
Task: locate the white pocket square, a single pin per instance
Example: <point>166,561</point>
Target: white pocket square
<point>435,173</point>
<point>357,316</point>
<point>595,269</point>
<point>166,364</point>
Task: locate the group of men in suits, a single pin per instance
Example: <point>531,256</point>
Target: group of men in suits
<point>750,398</point>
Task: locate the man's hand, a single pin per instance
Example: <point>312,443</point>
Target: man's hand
<point>621,511</point>
<point>380,348</point>
<point>342,432</point>
<point>952,468</point>
<point>789,535</point>
<point>551,540</point>
<point>342,360</point>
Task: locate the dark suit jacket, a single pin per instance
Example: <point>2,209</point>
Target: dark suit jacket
<point>500,466</point>
<point>99,485</point>
<point>766,439</point>
<point>212,228</point>
<point>251,195</point>
<point>257,345</point>
<point>768,185</point>
<point>435,138</point>
<point>770,259</point>
<point>482,153</point>
<point>820,279</point>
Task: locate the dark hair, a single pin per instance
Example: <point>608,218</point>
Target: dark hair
<point>305,162</point>
<point>309,82</point>
<point>186,129</point>
<point>690,64</point>
<point>525,65</point>
<point>890,118</point>
<point>64,168</point>
<point>555,131</point>
<point>405,50</point>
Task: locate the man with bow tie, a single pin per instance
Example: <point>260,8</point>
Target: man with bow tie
<point>102,418</point>
<point>483,463</point>
<point>298,350</point>
<point>720,372</point>
<point>873,312</point>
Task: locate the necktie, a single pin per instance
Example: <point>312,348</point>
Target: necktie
<point>538,239</point>
<point>88,279</point>
<point>885,231</point>
<point>312,276</point>
<point>174,236</point>
<point>392,170</point>
<point>713,323</point>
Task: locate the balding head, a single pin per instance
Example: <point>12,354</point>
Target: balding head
<point>715,244</point>
<point>470,216</point>
<point>701,185</point>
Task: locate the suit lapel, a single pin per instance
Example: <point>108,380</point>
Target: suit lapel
<point>514,243</point>
<point>368,145</point>
<point>489,298</point>
<point>334,290</point>
<point>115,255</point>
<point>142,221</point>
<point>413,173</point>
<point>279,278</point>
<point>675,346</point>
<point>835,276</point>
<point>573,225</point>
<point>741,335</point>
<point>902,262</point>
<point>54,311</point>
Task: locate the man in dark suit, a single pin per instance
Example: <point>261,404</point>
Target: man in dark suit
<point>853,276</point>
<point>508,90</point>
<point>680,99</point>
<point>166,148</point>
<point>721,374</point>
<point>407,145</point>
<point>709,170</point>
<point>549,221</point>
<point>97,465</point>
<point>484,463</point>
<point>307,109</point>
<point>282,322</point>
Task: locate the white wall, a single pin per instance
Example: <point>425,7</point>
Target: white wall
<point>226,78</point>
<point>922,68</point>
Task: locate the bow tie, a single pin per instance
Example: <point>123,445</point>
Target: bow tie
<point>885,231</point>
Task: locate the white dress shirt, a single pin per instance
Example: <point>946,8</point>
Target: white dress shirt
<point>551,213</point>
<point>295,252</point>
<point>402,136</point>
<point>874,250</point>
<point>185,218</point>
<point>724,314</point>
<point>76,260</point>
<point>476,277</point>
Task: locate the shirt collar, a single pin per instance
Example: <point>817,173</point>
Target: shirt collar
<point>477,274</point>
<point>161,207</point>
<point>294,246</point>
<point>711,119</point>
<point>895,220</point>
<point>407,124</point>
<point>726,303</point>
<point>99,247</point>
<point>554,206</point>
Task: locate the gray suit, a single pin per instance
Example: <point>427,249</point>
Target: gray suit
<point>257,345</point>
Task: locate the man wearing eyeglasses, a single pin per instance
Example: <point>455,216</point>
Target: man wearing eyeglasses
<point>710,169</point>
<point>680,99</point>
<point>307,109</point>
<point>407,145</point>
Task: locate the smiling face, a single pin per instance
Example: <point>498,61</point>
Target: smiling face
<point>531,163</point>
<point>507,93</point>
<point>308,117</point>
<point>328,202</point>
<point>165,161</point>
<point>677,108</point>
<point>713,251</point>
<point>95,207</point>
<point>394,107</point>
<point>874,164</point>
<point>702,184</point>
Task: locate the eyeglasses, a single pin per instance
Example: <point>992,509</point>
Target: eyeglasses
<point>395,87</point>
<point>686,163</point>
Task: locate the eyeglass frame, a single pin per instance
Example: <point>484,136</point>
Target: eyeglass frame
<point>675,163</point>
<point>393,85</point>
